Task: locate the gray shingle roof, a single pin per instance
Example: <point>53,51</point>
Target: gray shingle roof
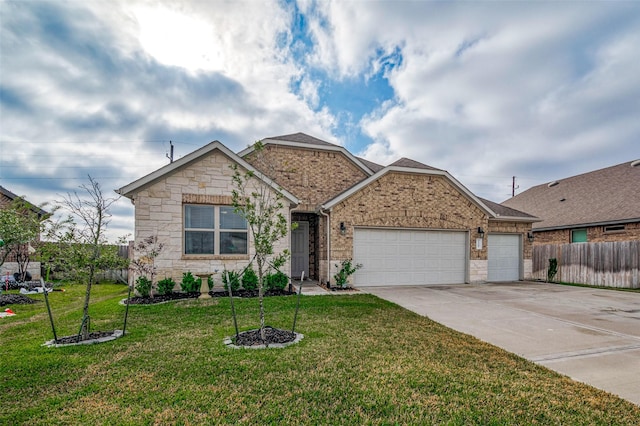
<point>598,197</point>
<point>375,167</point>
<point>301,138</point>
<point>407,162</point>
<point>504,210</point>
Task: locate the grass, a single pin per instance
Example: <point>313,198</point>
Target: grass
<point>362,361</point>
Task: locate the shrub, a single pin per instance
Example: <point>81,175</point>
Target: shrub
<point>234,278</point>
<point>143,286</point>
<point>166,286</point>
<point>250,279</point>
<point>189,283</point>
<point>277,281</point>
<point>347,268</point>
<point>553,269</point>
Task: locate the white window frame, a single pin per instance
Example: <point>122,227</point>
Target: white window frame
<point>217,231</point>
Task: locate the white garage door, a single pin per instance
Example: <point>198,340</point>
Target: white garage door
<point>504,257</point>
<point>405,257</point>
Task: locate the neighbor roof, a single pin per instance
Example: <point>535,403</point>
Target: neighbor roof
<point>600,197</point>
<point>129,189</point>
<point>11,196</point>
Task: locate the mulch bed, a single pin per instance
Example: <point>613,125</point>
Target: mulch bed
<point>16,299</point>
<point>138,300</point>
<point>251,293</point>
<point>344,289</point>
<point>272,335</point>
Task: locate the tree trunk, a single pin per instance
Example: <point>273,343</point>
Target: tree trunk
<point>260,263</point>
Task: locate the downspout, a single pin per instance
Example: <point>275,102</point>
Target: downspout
<point>328,243</point>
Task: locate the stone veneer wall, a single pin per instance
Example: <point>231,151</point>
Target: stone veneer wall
<point>312,175</point>
<point>407,200</point>
<point>159,211</point>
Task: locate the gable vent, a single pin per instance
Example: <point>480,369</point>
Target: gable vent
<point>635,163</point>
<point>554,183</point>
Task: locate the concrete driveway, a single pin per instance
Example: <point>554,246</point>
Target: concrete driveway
<point>590,335</point>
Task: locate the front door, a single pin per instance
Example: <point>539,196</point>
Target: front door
<point>300,250</point>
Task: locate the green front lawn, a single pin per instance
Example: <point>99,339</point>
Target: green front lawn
<point>362,361</point>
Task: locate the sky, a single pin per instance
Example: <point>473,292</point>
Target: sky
<point>486,90</point>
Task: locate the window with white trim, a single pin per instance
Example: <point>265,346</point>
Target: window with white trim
<point>214,230</point>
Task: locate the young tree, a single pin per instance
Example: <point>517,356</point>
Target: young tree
<point>19,226</point>
<point>144,263</point>
<point>84,239</point>
<point>262,207</point>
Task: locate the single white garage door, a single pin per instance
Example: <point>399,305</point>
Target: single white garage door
<point>504,257</point>
<point>406,257</point>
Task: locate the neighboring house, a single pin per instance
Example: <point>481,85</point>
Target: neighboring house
<point>406,223</point>
<point>10,265</point>
<point>599,206</point>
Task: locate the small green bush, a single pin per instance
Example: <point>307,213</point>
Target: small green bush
<point>166,286</point>
<point>143,286</point>
<point>234,278</point>
<point>189,283</point>
<point>249,279</point>
<point>277,281</point>
<point>347,268</point>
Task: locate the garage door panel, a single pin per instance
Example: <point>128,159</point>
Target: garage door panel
<point>406,257</point>
<point>504,255</point>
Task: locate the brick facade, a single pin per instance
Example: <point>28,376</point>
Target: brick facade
<point>159,211</point>
<point>314,176</point>
<point>404,200</point>
<point>595,234</point>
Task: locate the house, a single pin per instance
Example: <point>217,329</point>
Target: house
<point>406,223</point>
<point>10,265</point>
<point>599,206</point>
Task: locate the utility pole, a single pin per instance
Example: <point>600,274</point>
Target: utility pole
<point>170,154</point>
<point>514,186</point>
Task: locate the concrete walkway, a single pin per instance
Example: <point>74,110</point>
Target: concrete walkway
<point>590,335</point>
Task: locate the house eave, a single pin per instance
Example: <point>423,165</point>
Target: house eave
<point>524,219</point>
<point>133,187</point>
<point>587,225</point>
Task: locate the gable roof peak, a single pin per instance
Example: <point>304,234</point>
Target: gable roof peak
<point>413,164</point>
<point>301,138</point>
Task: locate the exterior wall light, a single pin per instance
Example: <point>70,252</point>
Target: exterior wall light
<point>481,231</point>
<point>530,236</point>
<point>343,228</point>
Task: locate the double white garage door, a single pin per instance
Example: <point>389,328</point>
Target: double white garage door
<point>407,257</point>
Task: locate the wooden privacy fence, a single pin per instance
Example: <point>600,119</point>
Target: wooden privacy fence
<point>118,275</point>
<point>610,264</point>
